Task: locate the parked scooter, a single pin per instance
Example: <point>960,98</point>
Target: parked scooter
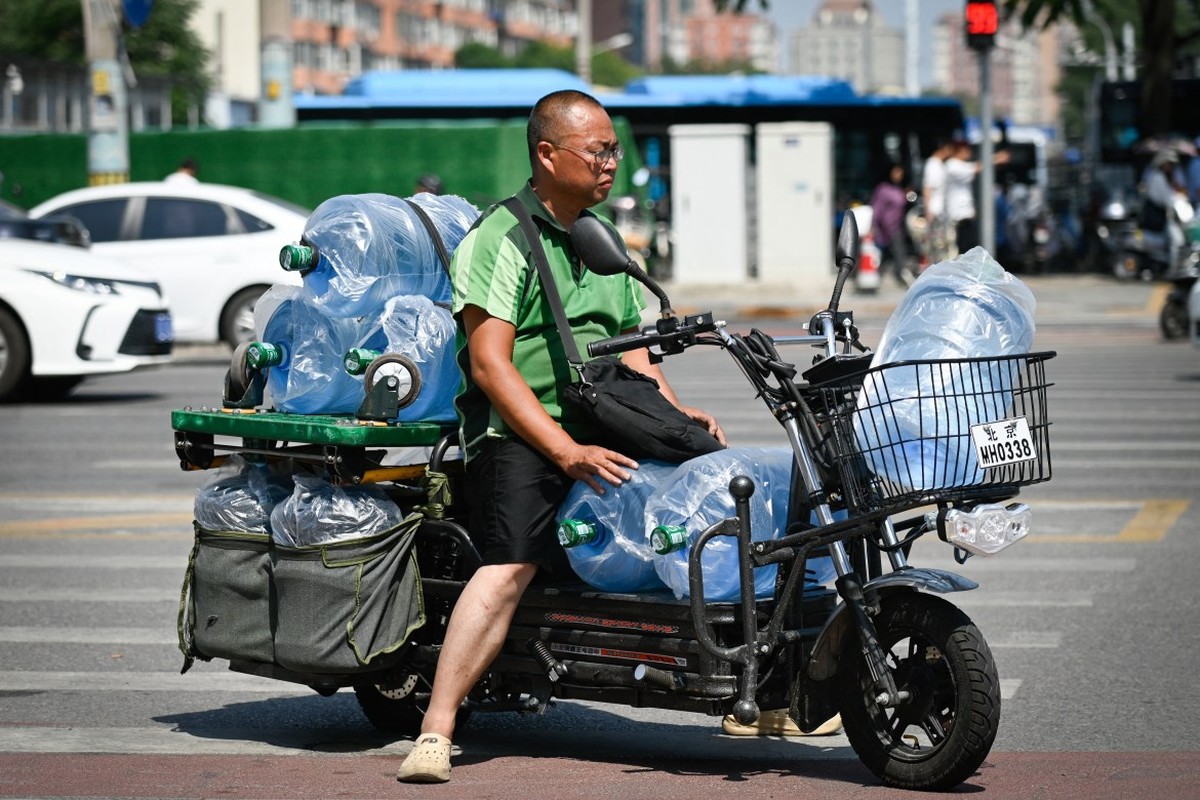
<point>911,675</point>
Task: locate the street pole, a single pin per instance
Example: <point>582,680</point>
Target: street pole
<point>108,119</point>
<point>583,45</point>
<point>275,106</point>
<point>987,174</point>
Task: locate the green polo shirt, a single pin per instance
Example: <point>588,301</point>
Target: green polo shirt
<point>492,268</point>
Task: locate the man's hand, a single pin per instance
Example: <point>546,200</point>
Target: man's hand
<point>708,421</point>
<point>591,463</point>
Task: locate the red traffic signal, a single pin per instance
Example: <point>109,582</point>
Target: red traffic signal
<point>982,20</point>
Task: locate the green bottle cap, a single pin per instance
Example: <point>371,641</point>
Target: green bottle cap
<point>260,355</point>
<point>574,532</point>
<point>297,257</point>
<point>668,538</point>
<point>357,359</point>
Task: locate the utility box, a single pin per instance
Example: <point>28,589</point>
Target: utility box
<point>709,165</point>
<point>794,167</point>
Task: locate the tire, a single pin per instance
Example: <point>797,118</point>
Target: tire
<point>940,736</point>
<point>14,356</point>
<point>239,372</point>
<point>237,320</point>
<point>401,366</point>
<point>1173,320</point>
<point>399,707</point>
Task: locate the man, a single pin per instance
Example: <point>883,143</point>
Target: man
<point>523,452</point>
<point>186,173</point>
<point>933,196</point>
<point>960,197</point>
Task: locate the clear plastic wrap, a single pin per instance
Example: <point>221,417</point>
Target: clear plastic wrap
<point>312,378</point>
<point>696,496</point>
<point>240,497</point>
<point>425,332</point>
<point>373,247</point>
<point>318,513</point>
<point>619,559</point>
<point>964,308</point>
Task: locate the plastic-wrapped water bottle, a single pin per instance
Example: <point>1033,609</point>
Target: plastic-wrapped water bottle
<point>416,327</point>
<point>604,534</point>
<point>696,496</point>
<point>303,355</point>
<point>372,247</point>
<point>913,423</point>
<point>240,497</point>
<point>318,512</point>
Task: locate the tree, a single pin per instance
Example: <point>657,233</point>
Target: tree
<point>608,68</point>
<point>1167,28</point>
<point>166,46</point>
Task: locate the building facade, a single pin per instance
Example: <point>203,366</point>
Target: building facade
<point>848,39</point>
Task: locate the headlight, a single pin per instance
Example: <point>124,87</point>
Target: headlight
<point>986,529</point>
<point>80,283</point>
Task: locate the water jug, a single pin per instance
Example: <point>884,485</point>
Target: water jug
<point>604,534</point>
<point>913,422</point>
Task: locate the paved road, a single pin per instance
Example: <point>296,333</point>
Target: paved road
<point>1092,620</point>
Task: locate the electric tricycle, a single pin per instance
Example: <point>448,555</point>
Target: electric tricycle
<point>911,675</point>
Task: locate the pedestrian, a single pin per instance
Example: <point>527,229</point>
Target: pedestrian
<point>889,203</point>
<point>184,173</point>
<point>961,171</point>
<point>523,451</point>
<point>428,184</point>
<point>933,198</point>
<point>1162,195</point>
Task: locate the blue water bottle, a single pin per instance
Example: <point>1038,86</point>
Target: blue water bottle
<point>696,496</point>
<point>604,535</point>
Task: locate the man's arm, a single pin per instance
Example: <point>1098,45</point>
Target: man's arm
<point>490,341</point>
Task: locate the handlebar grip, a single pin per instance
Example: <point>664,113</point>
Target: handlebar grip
<point>619,344</point>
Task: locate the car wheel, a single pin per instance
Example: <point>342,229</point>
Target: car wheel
<point>14,355</point>
<point>237,321</point>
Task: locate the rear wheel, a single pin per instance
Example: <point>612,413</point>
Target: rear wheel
<point>237,321</point>
<point>14,355</point>
<point>942,733</point>
<point>398,706</point>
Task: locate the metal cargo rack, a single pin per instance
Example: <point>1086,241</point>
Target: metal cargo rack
<point>350,449</point>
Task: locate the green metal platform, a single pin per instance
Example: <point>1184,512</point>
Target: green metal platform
<point>324,429</point>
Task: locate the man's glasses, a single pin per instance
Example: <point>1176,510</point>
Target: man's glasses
<point>599,157</point>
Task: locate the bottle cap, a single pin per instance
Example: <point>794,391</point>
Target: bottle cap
<point>297,257</point>
<point>260,355</point>
<point>668,539</point>
<point>574,532</point>
<point>357,358</point>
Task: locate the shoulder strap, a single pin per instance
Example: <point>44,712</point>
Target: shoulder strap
<point>530,230</point>
<point>438,244</point>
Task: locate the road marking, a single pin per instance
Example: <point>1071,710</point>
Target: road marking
<point>1027,639</point>
<point>37,527</point>
<point>990,599</point>
<point>21,681</point>
<point>204,741</point>
<point>47,635</point>
<point>1150,523</point>
<point>92,562</point>
<point>64,595</point>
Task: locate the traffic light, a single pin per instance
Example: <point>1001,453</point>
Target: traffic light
<point>981,23</point>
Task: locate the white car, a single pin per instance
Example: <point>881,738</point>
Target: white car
<point>214,249</point>
<point>66,313</point>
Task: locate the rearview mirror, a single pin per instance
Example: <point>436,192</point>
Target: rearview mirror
<point>603,252</point>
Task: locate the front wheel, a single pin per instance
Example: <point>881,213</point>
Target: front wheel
<point>938,737</point>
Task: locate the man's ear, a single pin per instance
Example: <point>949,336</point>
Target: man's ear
<point>544,149</point>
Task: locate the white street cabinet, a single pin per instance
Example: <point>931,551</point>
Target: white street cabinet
<point>794,168</point>
<point>709,165</point>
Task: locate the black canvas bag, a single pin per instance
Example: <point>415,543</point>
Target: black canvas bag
<point>623,403</point>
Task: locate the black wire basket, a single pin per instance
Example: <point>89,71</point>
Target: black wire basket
<point>906,434</point>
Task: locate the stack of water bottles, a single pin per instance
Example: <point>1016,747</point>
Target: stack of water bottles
<point>637,536</point>
<point>373,282</point>
<point>912,422</point>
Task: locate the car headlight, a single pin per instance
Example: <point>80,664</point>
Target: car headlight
<point>80,283</point>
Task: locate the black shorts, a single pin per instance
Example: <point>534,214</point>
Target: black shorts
<point>513,494</point>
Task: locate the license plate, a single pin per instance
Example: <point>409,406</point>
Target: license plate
<point>164,331</point>
<point>1005,442</point>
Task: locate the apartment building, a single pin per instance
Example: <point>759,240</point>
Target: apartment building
<point>849,39</point>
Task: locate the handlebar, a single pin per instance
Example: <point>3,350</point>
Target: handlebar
<point>670,335</point>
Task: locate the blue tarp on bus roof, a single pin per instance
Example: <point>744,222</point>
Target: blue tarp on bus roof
<point>507,88</point>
